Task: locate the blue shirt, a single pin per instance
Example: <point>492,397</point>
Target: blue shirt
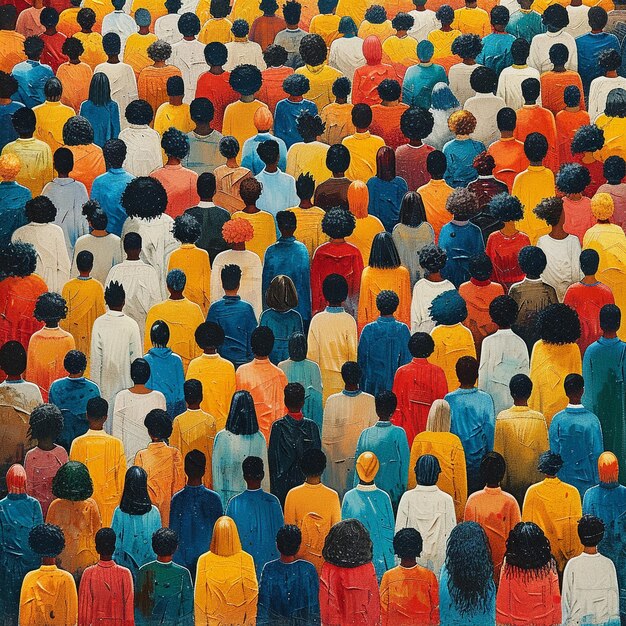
<point>291,258</point>
<point>167,376</point>
<point>388,442</point>
<point>379,366</point>
<point>193,514</point>
<point>258,517</point>
<point>283,325</point>
<point>285,116</point>
<point>460,155</point>
<point>7,132</point>
<point>251,159</point>
<point>496,53</point>
<point>450,614</point>
<point>289,594</point>
<point>385,199</point>
<point>308,374</point>
<point>13,198</point>
<point>473,421</point>
<point>31,77</point>
<point>71,396</point>
<point>575,433</point>
<point>105,120</point>
<point>279,192</point>
<point>418,83</point>
<point>107,190</point>
<point>589,47</point>
<point>238,321</point>
<point>461,241</point>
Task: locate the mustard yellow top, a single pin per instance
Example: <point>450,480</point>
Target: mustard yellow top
<point>353,8</point>
<point>531,186</point>
<point>449,452</point>
<point>50,117</point>
<point>85,303</point>
<point>245,10</point>
<point>326,26</point>
<point>104,457</point>
<point>36,159</point>
<point>182,317</point>
<point>366,229</point>
<point>363,148</point>
<point>338,120</point>
<point>136,51</point>
<point>215,29</point>
<point>401,50</point>
<point>442,42</point>
<point>11,49</point>
<point>614,132</point>
<point>309,227</point>
<point>67,21</point>
<point>451,343</point>
<point>156,7</point>
<point>94,52</point>
<point>48,591</point>
<point>373,281</point>
<point>321,79</point>
<point>217,376</point>
<point>264,231</point>
<point>177,116</point>
<point>195,263</point>
<point>556,508</point>
<point>472,21</point>
<point>195,430</point>
<point>309,158</point>
<point>314,509</point>
<point>382,31</point>
<point>541,5</point>
<point>239,120</point>
<point>549,365</point>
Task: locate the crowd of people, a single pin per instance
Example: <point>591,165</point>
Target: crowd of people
<point>311,314</point>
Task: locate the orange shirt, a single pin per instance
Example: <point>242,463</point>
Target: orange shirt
<point>553,85</point>
<point>272,88</point>
<point>434,195</point>
<point>88,164</point>
<point>478,296</point>
<point>152,84</point>
<point>217,89</point>
<point>510,159</point>
<point>533,118</point>
<point>386,124</point>
<point>17,302</point>
<point>567,123</point>
<point>180,184</point>
<point>75,80</point>
<point>11,50</point>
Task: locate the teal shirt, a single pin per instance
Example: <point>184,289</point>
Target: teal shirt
<point>418,83</point>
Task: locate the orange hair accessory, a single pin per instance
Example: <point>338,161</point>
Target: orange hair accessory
<point>237,231</point>
<point>16,479</point>
<point>358,199</point>
<point>263,119</point>
<point>608,467</point>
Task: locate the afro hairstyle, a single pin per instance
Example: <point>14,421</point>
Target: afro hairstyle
<point>572,178</point>
<point>111,44</point>
<point>421,345</point>
<point>189,25</point>
<point>246,79</point>
<point>467,46</point>
<point>432,258</point>
<point>209,334</point>
<point>296,85</point>
<point>240,29</point>
<point>215,54</point>
<point>416,123</point>
<point>144,198</point>
<point>532,261</point>
<point>312,462</point>
<point>375,14</point>
<point>550,210</point>
<point>403,22</point>
<point>72,48</point>
<point>186,229</point>
<point>158,423</point>
<point>480,267</point>
<point>559,54</point>
<point>408,543</point>
<point>506,208</point>
<point>462,204</point>
<point>503,311</point>
<point>159,50</point>
<point>175,143</point>
<point>40,210</point>
<point>462,122</point>
<point>558,324</point>
<point>338,223</point>
<point>588,139</point>
<point>448,308</point>
<point>18,259</point>
<point>288,537</point>
<point>45,422</point>
<point>614,170</point>
<point>77,131</point>
<point>50,308</point>
<point>309,126</point>
<point>313,50</point>
<point>484,80</point>
<point>341,87</point>
<point>335,289</point>
<point>275,56</point>
<point>445,14</point>
<point>348,544</point>
<point>46,540</point>
<point>609,60</point>
<point>555,17</point>
<point>387,302</point>
<point>535,147</point>
<point>389,90</point>
<point>139,112</point>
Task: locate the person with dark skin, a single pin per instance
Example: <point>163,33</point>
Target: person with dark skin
<point>334,191</point>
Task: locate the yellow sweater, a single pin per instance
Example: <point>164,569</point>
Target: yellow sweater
<point>531,186</point>
<point>321,79</point>
<point>451,343</point>
<point>136,51</point>
<point>401,50</point>
<point>50,117</point>
<point>327,27</point>
<point>195,430</point>
<point>48,591</point>
<point>239,120</point>
<point>36,159</point>
<point>309,158</point>
<point>264,231</point>
<point>366,229</point>
<point>309,227</point>
<point>94,52</point>
<point>472,21</point>
<point>363,148</point>
<point>195,263</point>
<point>177,116</point>
<point>214,29</point>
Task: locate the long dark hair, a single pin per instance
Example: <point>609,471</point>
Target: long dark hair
<point>384,254</point>
<point>100,89</point>
<point>528,552</point>
<point>386,163</point>
<point>135,498</point>
<point>242,418</point>
<point>412,210</point>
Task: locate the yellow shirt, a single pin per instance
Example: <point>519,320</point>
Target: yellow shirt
<point>401,50</point>
<point>327,27</point>
<point>226,590</point>
<point>549,365</point>
<point>217,376</point>
<point>156,7</point>
<point>366,229</point>
<point>373,281</point>
<point>382,31</point>
<point>168,115</point>
<point>50,118</point>
<point>94,52</point>
<point>48,591</point>
<point>264,231</point>
<point>136,51</point>
<point>556,508</point>
<point>239,120</point>
<point>451,343</point>
<point>100,8</point>
<point>166,475</point>
<point>309,158</point>
<point>338,120</point>
<point>353,8</point>
<point>314,509</point>
<point>449,452</point>
<point>309,227</point>
<point>531,186</point>
<point>104,457</point>
<point>182,317</point>
<point>472,21</point>
<point>36,158</point>
<point>195,263</point>
<point>614,132</point>
<point>521,436</point>
<point>67,21</point>
<point>363,148</point>
<point>245,10</point>
<point>85,303</point>
<point>214,29</point>
<point>195,430</point>
<point>442,42</point>
<point>321,79</point>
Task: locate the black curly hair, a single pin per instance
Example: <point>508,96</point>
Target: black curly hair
<point>445,14</point>
<point>572,178</point>
<point>144,198</point>
<point>313,50</point>
<point>389,90</point>
<point>341,87</point>
<point>421,345</point>
<point>246,79</point>
<point>139,112</point>
<point>18,259</point>
<point>86,18</point>
<point>614,170</point>
<point>376,14</point>
<point>387,302</point>
<point>111,44</point>
<point>175,143</point>
<point>50,308</point>
<point>240,28</point>
<point>165,542</point>
<point>186,229</point>
<point>462,204</point>
<point>292,12</point>
<point>158,424</point>
<point>348,545</point>
<point>467,46</point>
<point>215,54</point>
<point>403,22</point>
<point>40,210</point>
<point>432,258</point>
<point>275,55</point>
<point>77,131</point>
<point>8,85</point>
<point>448,308</point>
<point>528,552</point>
<point>159,50</point>
<point>484,80</point>
<point>219,8</point>
<point>75,362</point>
<point>209,335</point>
<point>305,186</point>
<point>189,25</point>
<point>228,147</point>
<point>480,267</point>
<point>506,208</point>
<point>609,60</point>
<point>45,422</point>
<point>535,147</point>
<point>588,139</point>
<point>288,538</point>
<point>73,48</point>
<point>503,311</point>
<point>558,54</point>
<point>33,47</point>
<point>555,17</point>
<point>46,540</point>
<point>532,261</point>
<point>550,210</point>
<point>309,126</point>
<point>338,223</point>
<point>558,324</point>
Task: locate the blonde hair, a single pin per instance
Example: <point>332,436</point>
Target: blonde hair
<point>263,119</point>
<point>10,166</point>
<point>602,206</point>
<point>462,123</point>
<point>358,199</point>
<point>438,417</point>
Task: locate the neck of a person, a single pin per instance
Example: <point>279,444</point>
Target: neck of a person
<point>172,160</point>
<point>113,59</point>
<point>509,229</point>
<point>351,387</point>
<point>305,204</point>
<point>164,559</point>
<point>96,424</point>
<point>84,274</point>
<point>216,69</point>
<point>609,334</point>
<point>408,563</point>
<point>52,324</point>
<point>590,279</point>
<point>239,246</point>
<point>194,481</point>
<point>45,443</point>
<point>251,208</point>
<point>313,480</point>
<point>520,401</point>
<point>271,168</point>
<point>247,98</point>
<point>286,558</point>
<point>176,295</point>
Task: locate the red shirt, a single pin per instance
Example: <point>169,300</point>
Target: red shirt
<point>386,124</point>
<point>531,119</point>
<point>272,88</point>
<point>578,217</point>
<point>503,253</point>
<point>411,164</point>
<point>52,54</point>
<point>417,385</point>
<point>18,297</point>
<point>217,89</point>
<point>567,123</point>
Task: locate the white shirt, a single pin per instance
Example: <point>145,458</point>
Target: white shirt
<point>424,292</point>
<point>578,22</point>
<point>539,57</point>
<point>106,253</point>
<point>53,261</point>
<point>459,77</point>
<point>599,91</point>
<point>188,57</point>
<point>128,415</point>
<point>143,149</point>
<point>251,271</point>
<point>115,344</point>
<point>122,24</point>
<point>242,52</point>
<point>563,268</point>
<point>485,107</point>
<point>123,86</point>
<point>590,591</point>
<point>142,287</point>
<point>425,22</point>
<point>166,28</point>
<point>510,84</point>
<point>502,355</point>
<point>346,55</point>
<point>430,511</point>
